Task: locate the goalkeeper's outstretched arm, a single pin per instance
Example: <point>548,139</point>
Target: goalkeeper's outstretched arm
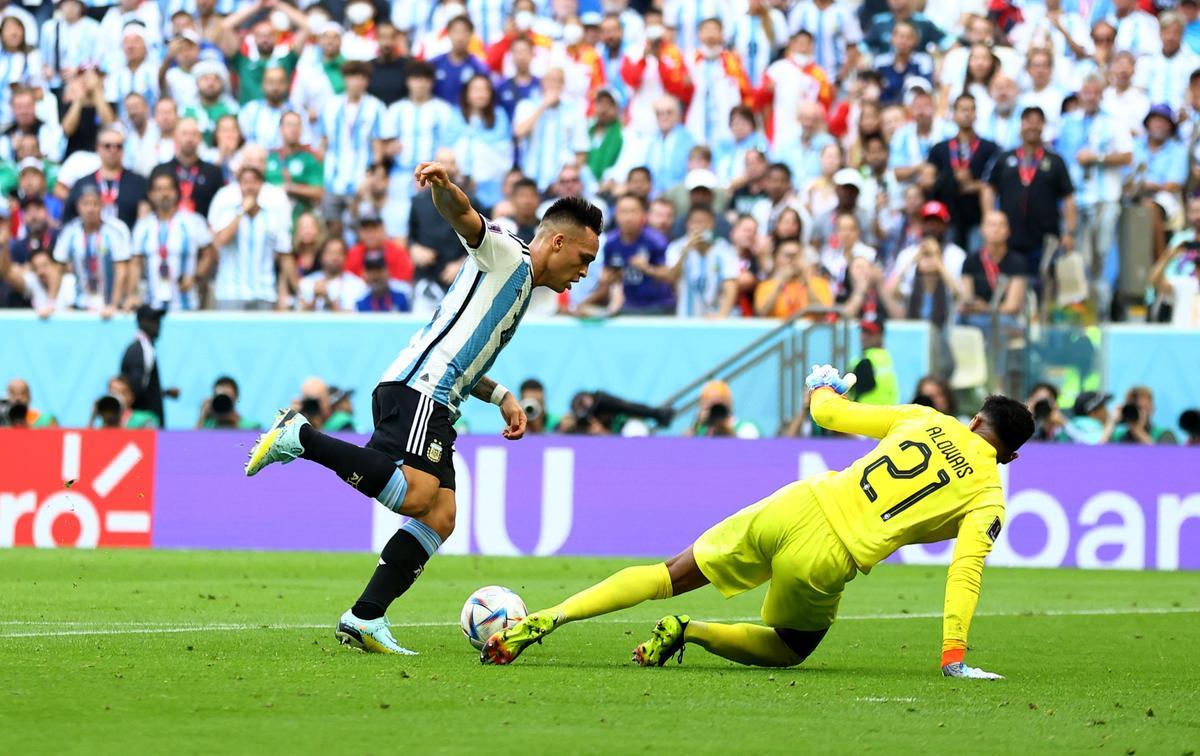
<point>976,534</point>
<point>833,411</point>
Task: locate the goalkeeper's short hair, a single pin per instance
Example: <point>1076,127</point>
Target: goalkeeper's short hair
<point>1010,419</point>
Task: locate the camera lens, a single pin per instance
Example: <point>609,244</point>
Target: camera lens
<point>1042,409</point>
<point>1129,413</point>
<point>222,404</point>
<point>532,408</point>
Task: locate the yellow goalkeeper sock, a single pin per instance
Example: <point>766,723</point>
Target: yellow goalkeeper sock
<point>743,643</point>
<point>629,587</point>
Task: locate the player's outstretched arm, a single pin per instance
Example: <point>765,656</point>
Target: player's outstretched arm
<point>451,202</point>
<point>831,410</point>
<point>510,409</point>
<point>976,534</point>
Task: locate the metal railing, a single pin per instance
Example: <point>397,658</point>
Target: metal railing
<point>790,343</point>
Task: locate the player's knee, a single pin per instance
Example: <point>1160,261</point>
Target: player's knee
<point>422,496</point>
<point>441,517</point>
<point>800,643</point>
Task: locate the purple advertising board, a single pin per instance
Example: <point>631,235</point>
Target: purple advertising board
<point>1093,507</point>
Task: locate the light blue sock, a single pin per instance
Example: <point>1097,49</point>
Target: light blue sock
<point>425,535</point>
<point>392,495</point>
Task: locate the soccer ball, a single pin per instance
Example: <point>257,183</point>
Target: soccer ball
<point>490,610</point>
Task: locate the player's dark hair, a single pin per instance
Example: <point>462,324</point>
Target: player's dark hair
<point>575,211</point>
<point>531,384</point>
<point>1011,420</point>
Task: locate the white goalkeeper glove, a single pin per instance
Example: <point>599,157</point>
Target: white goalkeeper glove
<point>960,669</point>
<point>827,375</point>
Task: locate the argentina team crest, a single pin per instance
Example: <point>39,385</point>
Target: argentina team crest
<point>434,453</point>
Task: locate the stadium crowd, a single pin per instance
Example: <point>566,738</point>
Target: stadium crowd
<point>957,162</point>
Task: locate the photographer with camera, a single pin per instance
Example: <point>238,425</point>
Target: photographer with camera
<point>1048,419</point>
<point>533,401</point>
<point>596,413</point>
<point>16,410</point>
<point>716,418</point>
<point>219,411</point>
<point>1092,423</point>
<point>1136,424</point>
<point>115,409</point>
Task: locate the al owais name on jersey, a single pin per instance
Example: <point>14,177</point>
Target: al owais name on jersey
<point>955,458</point>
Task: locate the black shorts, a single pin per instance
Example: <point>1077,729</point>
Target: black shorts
<point>413,430</point>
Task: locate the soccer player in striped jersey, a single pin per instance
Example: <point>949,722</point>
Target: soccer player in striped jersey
<point>930,478</point>
<point>408,465</point>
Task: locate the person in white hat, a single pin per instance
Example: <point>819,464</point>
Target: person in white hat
<point>125,12</point>
<point>133,69</point>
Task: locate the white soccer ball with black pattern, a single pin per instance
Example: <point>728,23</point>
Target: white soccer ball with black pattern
<point>488,611</point>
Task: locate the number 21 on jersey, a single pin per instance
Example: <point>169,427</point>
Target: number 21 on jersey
<point>903,473</point>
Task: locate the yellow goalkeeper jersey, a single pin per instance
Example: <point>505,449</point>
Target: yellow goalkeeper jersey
<point>928,479</point>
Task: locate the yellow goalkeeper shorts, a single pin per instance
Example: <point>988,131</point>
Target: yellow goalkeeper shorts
<point>786,539</point>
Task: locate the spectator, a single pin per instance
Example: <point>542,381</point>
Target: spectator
<point>135,71</point>
<point>213,99</point>
<point>351,134</point>
<point>932,296</point>
<point>457,67</point>
<point>875,371</point>
<point>199,181</point>
<point>389,74</point>
<point>793,285</point>
<point>142,136</point>
<point>700,188</point>
<point>1189,423</point>
<point>412,130</point>
<point>605,138</point>
<point>1159,172</point>
<point>845,246</point>
<point>1063,35</point>
<point>139,366</point>
<point>703,267</point>
<point>1176,276</point>
<point>229,143</point>
<point>1091,424</point>
<point>68,43</point>
<point>1164,76</point>
<point>665,152</point>
<point>331,288</point>
<point>166,118</point>
<point>961,163</point>
<point>85,110</point>
<point>96,250</point>
<point>881,193</point>
<point>779,195</point>
<point>729,153</point>
<point>661,217</point>
<point>524,216</point>
<point>1001,123</point>
<point>435,249</point>
<point>481,137</point>
<point>30,284</point>
<point>753,260</point>
<point>341,411</point>
<point>384,293</point>
<point>790,82</point>
<point>307,239</point>
<point>37,232</point>
<point>25,121</point>
<point>1048,419</point>
<point>653,71</point>
<point>373,239</point>
<point>177,78</point>
<point>263,49</point>
<point>994,286</point>
<point>172,247</point>
<point>20,405</point>
<point>522,84</point>
<point>630,252</point>
<point>533,400</point>
<point>251,231</point>
<point>720,84</point>
<point>612,49</point>
<point>911,144</point>
<point>1032,187</point>
<point>260,119</point>
<point>715,417</point>
<point>836,27</point>
<point>1042,92</point>
<point>1122,99</point>
<point>1137,421</point>
<point>903,62</point>
<point>882,24</point>
<point>551,132</point>
<point>122,193</point>
<point>313,402</point>
<point>1097,147</point>
<point>804,155</point>
<point>219,411</point>
<point>1137,30</point>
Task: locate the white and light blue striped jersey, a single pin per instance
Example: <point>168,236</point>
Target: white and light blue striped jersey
<point>259,121</point>
<point>559,135</point>
<point>350,131</point>
<point>419,128</point>
<point>475,320</point>
<point>1103,134</point>
<point>749,40</point>
<point>51,141</point>
<point>68,46</point>
<point>415,17</point>
<point>1004,130</point>
<point>489,16</point>
<point>92,257</point>
<point>729,155</point>
<point>698,293</point>
<point>834,29</point>
<point>1166,79</point>
<point>246,265</point>
<point>684,16</point>
<point>121,82</point>
<point>171,249</point>
<point>910,148</point>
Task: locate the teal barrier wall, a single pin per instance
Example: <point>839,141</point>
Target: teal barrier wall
<point>69,358</point>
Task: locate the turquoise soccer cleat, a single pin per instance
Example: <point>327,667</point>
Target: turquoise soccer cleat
<point>279,444</point>
<point>370,636</point>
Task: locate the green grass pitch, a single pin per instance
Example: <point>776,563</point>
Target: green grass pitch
<point>157,652</point>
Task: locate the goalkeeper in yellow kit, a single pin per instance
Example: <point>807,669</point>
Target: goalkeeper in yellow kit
<point>931,478</point>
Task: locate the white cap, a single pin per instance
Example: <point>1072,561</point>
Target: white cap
<point>700,178</point>
<point>328,27</point>
<point>848,177</point>
<point>654,32</point>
